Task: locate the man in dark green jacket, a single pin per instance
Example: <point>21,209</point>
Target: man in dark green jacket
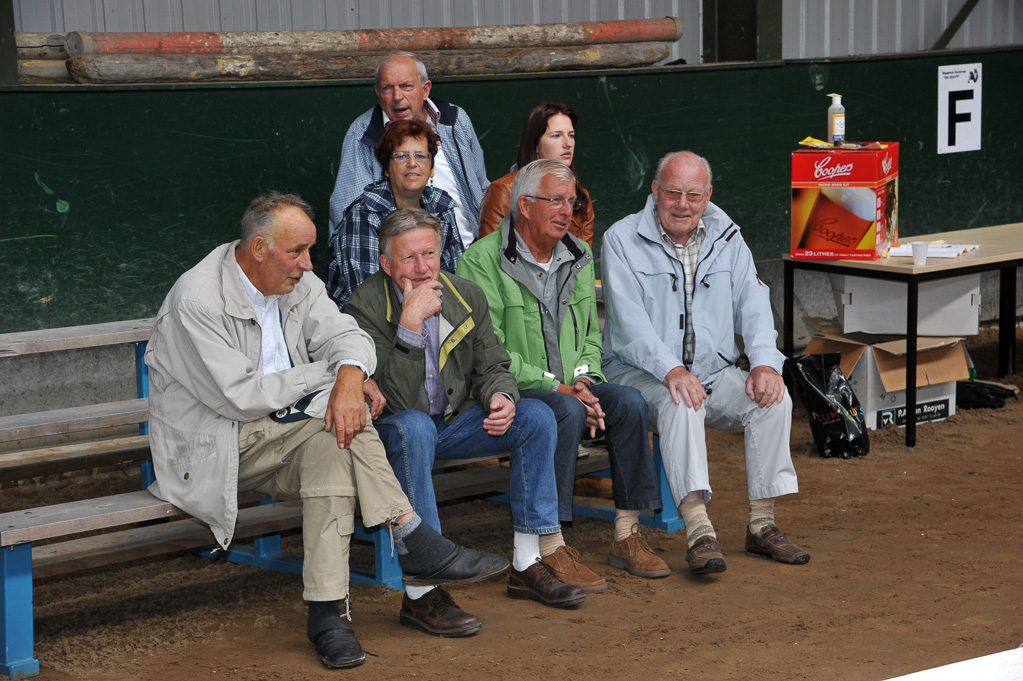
<point>540,286</point>
<point>450,395</point>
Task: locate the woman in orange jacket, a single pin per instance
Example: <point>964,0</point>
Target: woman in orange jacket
<point>549,132</point>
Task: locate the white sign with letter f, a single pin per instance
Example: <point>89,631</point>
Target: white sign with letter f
<point>959,97</point>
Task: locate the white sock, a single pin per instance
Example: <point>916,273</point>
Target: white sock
<point>526,552</point>
<point>624,520</point>
<point>549,543</point>
<point>416,592</point>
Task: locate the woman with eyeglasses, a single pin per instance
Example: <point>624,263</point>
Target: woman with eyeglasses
<point>549,132</point>
<point>406,152</point>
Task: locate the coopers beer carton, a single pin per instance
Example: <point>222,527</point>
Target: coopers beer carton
<point>845,201</point>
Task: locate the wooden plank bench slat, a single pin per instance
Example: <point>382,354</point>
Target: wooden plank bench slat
<point>75,337</point>
<point>75,419</point>
<point>153,540</point>
<point>60,520</point>
<point>62,458</point>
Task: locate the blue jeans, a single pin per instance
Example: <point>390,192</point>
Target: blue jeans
<point>633,480</point>
<point>414,439</point>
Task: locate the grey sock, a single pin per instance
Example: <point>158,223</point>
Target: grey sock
<point>420,547</point>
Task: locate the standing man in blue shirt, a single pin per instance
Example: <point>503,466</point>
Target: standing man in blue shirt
<point>403,92</point>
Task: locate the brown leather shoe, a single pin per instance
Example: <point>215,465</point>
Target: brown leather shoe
<point>636,556</point>
<point>773,544</point>
<point>436,613</point>
<point>539,583</point>
<point>705,556</point>
<point>564,563</point>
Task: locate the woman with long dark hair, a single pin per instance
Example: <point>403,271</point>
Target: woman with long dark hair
<point>549,132</point>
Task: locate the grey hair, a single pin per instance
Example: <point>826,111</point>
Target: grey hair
<point>260,218</point>
<point>687,157</point>
<point>405,220</point>
<point>528,179</point>
<point>420,66</point>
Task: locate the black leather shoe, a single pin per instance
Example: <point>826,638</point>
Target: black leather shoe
<point>462,565</point>
<point>436,613</point>
<point>339,649</point>
<point>539,583</point>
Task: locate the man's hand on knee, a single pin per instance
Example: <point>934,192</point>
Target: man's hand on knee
<point>685,387</point>
<point>594,413</point>
<point>346,408</point>
<point>765,386</point>
<point>502,414</point>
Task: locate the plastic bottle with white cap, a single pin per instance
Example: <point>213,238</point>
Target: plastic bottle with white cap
<point>836,121</point>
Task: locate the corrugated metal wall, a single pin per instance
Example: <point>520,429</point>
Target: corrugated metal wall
<point>812,28</point>
<point>838,28</point>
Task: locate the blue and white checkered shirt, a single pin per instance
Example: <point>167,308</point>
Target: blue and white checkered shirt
<point>355,245</point>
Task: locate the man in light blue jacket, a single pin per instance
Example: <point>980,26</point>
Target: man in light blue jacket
<point>679,285</point>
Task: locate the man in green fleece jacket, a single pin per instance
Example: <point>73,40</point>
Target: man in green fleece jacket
<point>540,286</point>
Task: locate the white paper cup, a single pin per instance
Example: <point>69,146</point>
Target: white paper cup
<point>919,252</point>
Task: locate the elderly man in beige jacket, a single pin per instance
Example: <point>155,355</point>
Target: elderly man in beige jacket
<point>259,383</point>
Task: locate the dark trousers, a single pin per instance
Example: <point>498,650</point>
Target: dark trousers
<point>628,444</point>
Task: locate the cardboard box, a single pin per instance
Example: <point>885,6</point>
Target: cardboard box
<point>845,202</point>
<point>947,307</point>
<point>877,375</point>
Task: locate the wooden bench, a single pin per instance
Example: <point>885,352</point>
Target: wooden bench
<point>119,515</point>
<point>77,419</point>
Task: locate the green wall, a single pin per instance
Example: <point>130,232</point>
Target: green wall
<point>109,193</point>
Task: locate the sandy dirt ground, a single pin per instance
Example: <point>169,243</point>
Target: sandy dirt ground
<point>916,564</point>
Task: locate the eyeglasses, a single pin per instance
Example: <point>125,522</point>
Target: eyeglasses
<point>403,156</point>
<point>558,202</point>
<point>676,194</point>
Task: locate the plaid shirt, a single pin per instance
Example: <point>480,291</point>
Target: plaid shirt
<point>359,166</point>
<point>355,246</point>
<point>687,255</point>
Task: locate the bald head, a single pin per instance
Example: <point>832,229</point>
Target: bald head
<point>681,191</point>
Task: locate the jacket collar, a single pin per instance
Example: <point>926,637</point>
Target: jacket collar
<point>453,307</point>
<point>510,243</point>
<point>715,220</point>
<point>448,113</point>
<point>379,198</point>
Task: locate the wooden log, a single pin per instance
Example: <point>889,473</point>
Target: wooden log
<point>36,71</point>
<point>40,45</point>
<point>136,68</point>
<point>668,29</point>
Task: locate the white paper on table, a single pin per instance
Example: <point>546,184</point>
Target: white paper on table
<point>933,250</point>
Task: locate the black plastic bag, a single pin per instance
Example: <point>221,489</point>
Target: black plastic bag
<point>836,419</point>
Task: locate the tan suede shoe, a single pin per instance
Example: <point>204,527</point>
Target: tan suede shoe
<point>635,555</point>
<point>564,563</point>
